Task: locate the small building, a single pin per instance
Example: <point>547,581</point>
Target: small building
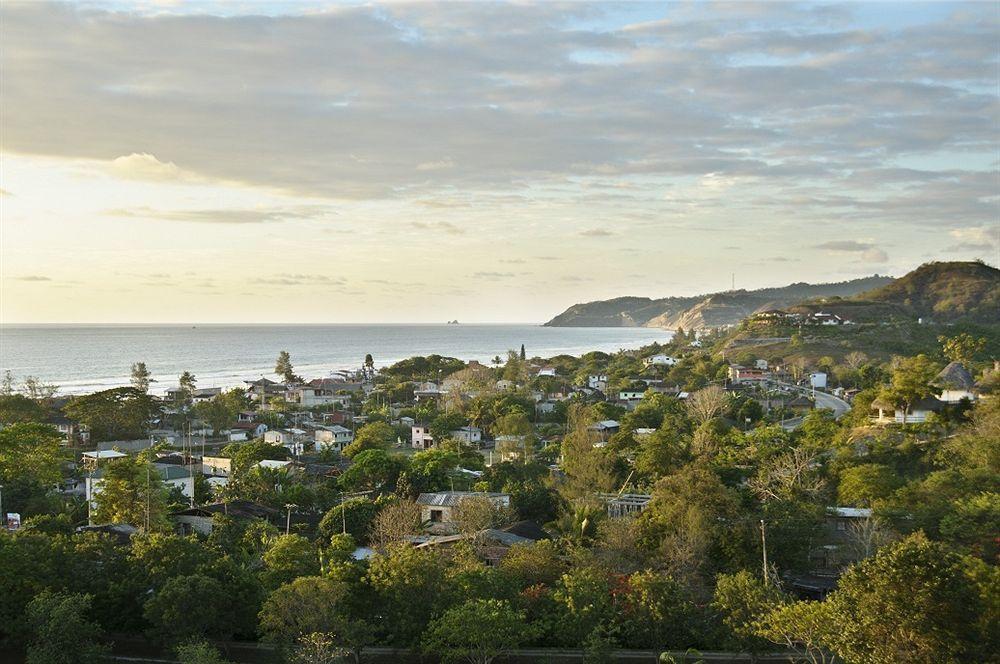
<point>437,509</point>
<point>625,504</point>
<point>249,429</point>
<point>659,361</point>
<point>917,413</point>
<point>956,384</point>
<point>598,382</point>
<point>420,437</point>
<point>817,380</point>
<point>800,405</point>
<point>216,466</point>
<point>492,544</point>
<point>546,371</point>
<point>605,428</point>
<point>739,374</point>
<point>322,392</point>
<point>468,434</point>
<point>333,437</point>
<point>201,519</point>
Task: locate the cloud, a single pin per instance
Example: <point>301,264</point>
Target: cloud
<point>456,97</point>
<point>259,215</point>
<point>444,226</point>
<point>31,277</point>
<point>845,245</point>
<point>595,232</point>
<point>974,239</point>
<point>143,166</point>
<point>299,279</point>
<point>493,275</point>
<point>866,252</point>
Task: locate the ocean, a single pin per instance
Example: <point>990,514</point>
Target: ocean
<point>86,358</point>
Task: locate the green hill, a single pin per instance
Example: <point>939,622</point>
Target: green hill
<point>946,292</point>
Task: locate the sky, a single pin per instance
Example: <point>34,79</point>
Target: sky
<point>262,162</point>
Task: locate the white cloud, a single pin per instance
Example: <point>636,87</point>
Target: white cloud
<point>144,166</point>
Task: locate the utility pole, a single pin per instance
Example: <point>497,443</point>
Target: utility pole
<point>288,521</point>
<point>763,543</point>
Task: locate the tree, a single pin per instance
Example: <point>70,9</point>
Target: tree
<point>911,381</point>
<point>585,602</point>
<point>283,367</point>
<point>188,607</point>
<point>962,347</point>
<point>353,516</point>
<point>199,652</point>
<point>316,605</point>
<point>61,632</point>
<point>397,577</point>
<point>187,382</point>
<point>132,491</point>
<point>373,469</point>
<point>372,436</point>
<point>476,513</point>
<point>913,601</point>
<point>658,613</point>
<point>862,485</point>
<point>140,377</point>
<point>122,413</point>
<point>287,558</point>
<point>30,452</point>
<point>707,403</point>
<point>742,600</point>
<point>523,358</point>
<point>476,631</point>
<point>394,523</point>
<point>17,408</point>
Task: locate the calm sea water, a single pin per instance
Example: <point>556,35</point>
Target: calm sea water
<point>86,358</point>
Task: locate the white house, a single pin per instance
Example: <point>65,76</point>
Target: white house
<point>216,466</point>
<point>660,361</point>
<point>918,412</point>
<point>547,371</point>
<point>468,434</point>
<point>598,382</point>
<point>956,384</point>
<point>334,437</point>
<point>420,437</point>
<point>817,380</point>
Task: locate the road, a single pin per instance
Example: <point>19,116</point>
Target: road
<point>823,400</point>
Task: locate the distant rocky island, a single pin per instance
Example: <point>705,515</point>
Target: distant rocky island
<point>705,311</point>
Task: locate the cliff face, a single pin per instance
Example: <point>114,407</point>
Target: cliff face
<point>704,311</point>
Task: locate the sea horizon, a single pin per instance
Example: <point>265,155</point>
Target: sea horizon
<point>82,358</point>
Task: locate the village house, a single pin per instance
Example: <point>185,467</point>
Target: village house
<point>917,413</point>
<point>598,382</point>
<point>546,371</point>
<point>492,544</point>
<point>956,384</point>
<point>322,392</point>
<point>739,374</point>
<point>468,434</point>
<point>333,437</point>
<point>817,380</point>
<point>201,519</point>
<point>604,428</point>
<point>824,318</point>
<point>437,509</point>
<point>172,475</point>
<point>420,437</point>
<point>659,361</point>
<point>216,466</point>
<point>246,431</point>
<point>843,533</point>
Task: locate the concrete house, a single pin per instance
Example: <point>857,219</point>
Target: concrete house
<point>437,509</point>
<point>334,437</point>
<point>468,434</point>
<point>420,437</point>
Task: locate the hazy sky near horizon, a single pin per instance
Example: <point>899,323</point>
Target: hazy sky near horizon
<point>337,162</point>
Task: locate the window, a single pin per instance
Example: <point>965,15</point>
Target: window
<point>841,525</point>
<point>437,516</point>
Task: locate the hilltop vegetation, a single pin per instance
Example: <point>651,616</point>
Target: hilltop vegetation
<point>703,311</point>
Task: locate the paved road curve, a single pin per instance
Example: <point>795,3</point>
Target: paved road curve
<point>823,400</point>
